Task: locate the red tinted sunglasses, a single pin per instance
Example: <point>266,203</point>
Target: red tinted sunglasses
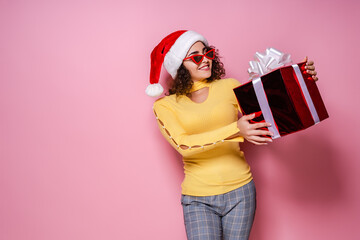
<point>199,58</point>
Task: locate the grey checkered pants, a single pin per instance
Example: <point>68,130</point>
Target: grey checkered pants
<point>226,216</point>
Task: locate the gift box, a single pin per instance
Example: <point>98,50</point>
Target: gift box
<point>288,98</point>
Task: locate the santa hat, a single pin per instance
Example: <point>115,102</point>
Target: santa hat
<point>170,51</point>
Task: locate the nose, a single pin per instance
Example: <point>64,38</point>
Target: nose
<point>205,60</point>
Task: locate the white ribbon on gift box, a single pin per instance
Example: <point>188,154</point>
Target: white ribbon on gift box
<point>264,106</point>
<point>306,93</point>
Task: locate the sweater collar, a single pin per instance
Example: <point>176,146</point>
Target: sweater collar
<point>199,85</point>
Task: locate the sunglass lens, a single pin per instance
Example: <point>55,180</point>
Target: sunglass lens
<point>197,59</point>
<point>210,54</point>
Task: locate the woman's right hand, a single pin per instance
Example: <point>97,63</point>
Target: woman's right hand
<point>251,131</point>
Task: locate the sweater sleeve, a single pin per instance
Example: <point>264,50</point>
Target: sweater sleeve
<point>189,144</point>
<point>233,84</point>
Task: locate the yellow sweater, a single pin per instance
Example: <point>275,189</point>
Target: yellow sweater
<point>212,165</point>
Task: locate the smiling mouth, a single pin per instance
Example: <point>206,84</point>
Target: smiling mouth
<point>205,67</point>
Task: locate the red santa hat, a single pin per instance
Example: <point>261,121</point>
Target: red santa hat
<point>170,52</point>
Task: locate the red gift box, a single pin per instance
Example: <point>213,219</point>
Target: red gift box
<point>288,98</point>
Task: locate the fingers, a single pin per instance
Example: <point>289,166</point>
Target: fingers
<point>260,125</point>
<point>310,66</point>
<point>310,69</point>
<point>254,126</point>
<point>251,116</point>
<point>256,134</point>
<point>311,72</point>
<point>257,140</point>
<point>305,59</point>
<point>264,133</point>
<point>248,117</point>
<point>257,137</point>
<point>310,62</point>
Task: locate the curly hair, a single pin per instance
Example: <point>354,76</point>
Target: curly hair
<point>183,83</point>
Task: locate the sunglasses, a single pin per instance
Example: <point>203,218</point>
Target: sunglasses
<point>199,58</point>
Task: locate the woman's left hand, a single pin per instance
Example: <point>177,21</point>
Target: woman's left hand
<point>310,68</point>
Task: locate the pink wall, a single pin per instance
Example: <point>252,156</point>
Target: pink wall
<point>80,153</point>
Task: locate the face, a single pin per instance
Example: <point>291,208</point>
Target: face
<point>199,71</point>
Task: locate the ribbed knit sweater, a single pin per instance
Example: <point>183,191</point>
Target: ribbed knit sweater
<point>212,165</point>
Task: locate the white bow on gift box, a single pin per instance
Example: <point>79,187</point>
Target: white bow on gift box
<point>267,62</point>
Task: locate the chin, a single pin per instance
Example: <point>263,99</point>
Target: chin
<point>207,76</point>
<point>203,76</point>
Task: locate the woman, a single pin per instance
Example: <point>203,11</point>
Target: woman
<point>199,118</point>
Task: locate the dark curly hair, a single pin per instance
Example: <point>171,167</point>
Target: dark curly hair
<point>183,83</point>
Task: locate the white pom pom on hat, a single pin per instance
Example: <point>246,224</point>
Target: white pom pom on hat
<point>154,90</point>
<point>170,52</point>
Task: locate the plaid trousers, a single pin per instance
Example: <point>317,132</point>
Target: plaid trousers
<point>227,216</point>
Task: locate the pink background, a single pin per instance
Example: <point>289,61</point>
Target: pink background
<point>80,153</point>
